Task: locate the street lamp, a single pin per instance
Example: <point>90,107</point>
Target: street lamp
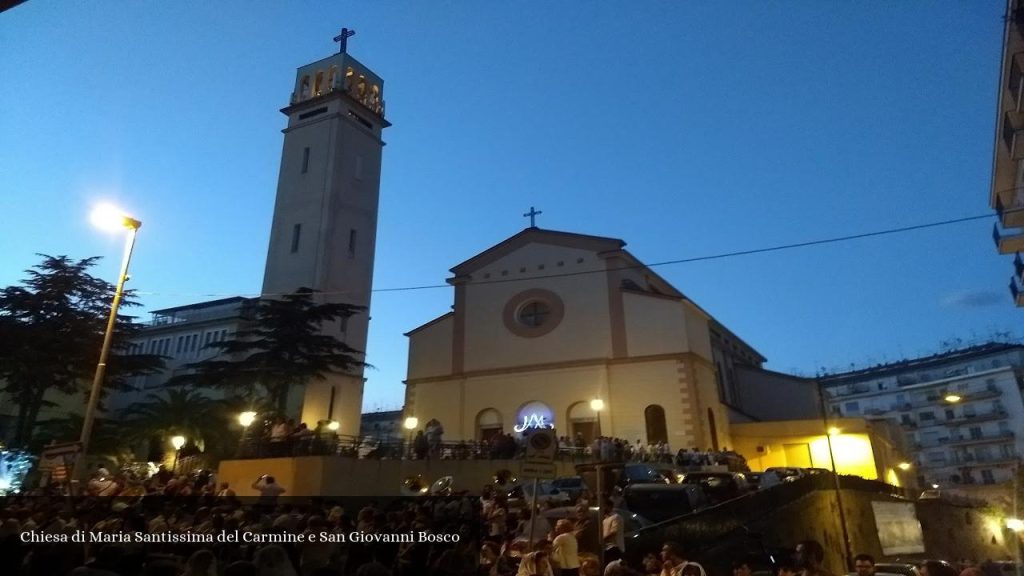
<point>246,418</point>
<point>833,431</point>
<point>177,442</point>
<point>1015,524</point>
<point>410,424</point>
<point>106,217</point>
<point>903,466</point>
<point>597,405</point>
<point>952,398</point>
<point>333,425</point>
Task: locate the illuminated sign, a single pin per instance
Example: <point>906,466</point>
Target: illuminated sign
<point>533,421</point>
<point>532,416</point>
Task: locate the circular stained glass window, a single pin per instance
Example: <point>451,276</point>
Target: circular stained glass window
<point>534,313</point>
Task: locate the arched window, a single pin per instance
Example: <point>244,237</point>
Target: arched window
<point>488,424</point>
<point>332,78</point>
<point>654,418</point>
<point>349,76</point>
<point>304,88</point>
<point>319,85</point>
<point>714,429</point>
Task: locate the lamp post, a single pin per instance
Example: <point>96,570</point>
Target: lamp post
<point>597,405</point>
<point>108,218</point>
<point>410,424</point>
<point>245,419</point>
<point>831,431</point>
<point>177,442</point>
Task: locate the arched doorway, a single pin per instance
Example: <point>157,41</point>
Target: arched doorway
<point>582,421</point>
<point>714,429</point>
<point>488,424</point>
<point>654,418</point>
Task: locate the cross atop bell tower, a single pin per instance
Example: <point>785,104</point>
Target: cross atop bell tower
<point>324,232</point>
<point>342,39</point>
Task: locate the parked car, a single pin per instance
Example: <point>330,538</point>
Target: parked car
<point>787,474</point>
<point>522,496</point>
<point>900,568</point>
<point>671,473</point>
<point>719,486</point>
<point>660,502</point>
<point>571,485</point>
<point>753,478</point>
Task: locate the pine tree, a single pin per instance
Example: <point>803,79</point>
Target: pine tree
<point>284,347</point>
<point>51,330</point>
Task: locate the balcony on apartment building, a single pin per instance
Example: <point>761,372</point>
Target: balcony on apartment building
<point>972,460</point>
<point>966,440</point>
<point>961,419</point>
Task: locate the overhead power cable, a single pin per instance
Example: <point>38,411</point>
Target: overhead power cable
<point>732,254</point>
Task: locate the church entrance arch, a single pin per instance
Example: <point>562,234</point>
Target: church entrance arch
<point>582,421</point>
<point>488,424</point>
<point>654,418</point>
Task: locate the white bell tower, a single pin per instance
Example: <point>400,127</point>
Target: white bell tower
<point>323,234</point>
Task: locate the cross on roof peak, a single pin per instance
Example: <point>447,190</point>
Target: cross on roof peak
<point>532,215</point>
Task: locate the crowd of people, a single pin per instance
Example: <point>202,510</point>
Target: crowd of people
<point>483,535</point>
<point>285,437</point>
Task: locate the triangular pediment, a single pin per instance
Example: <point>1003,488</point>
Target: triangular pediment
<point>596,244</point>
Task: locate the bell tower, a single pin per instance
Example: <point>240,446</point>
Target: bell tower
<point>323,234</point>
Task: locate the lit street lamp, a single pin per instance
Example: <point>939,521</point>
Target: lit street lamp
<point>410,424</point>
<point>177,442</point>
<point>903,466</point>
<point>245,419</point>
<point>597,405</point>
<point>333,425</point>
<point>108,218</point>
<point>952,398</point>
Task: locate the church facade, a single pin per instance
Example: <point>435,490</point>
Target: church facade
<point>571,331</point>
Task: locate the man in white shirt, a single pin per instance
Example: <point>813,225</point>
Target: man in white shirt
<point>673,561</point>
<point>269,490</point>
<point>611,531</point>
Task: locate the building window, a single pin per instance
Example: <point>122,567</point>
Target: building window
<point>296,233</point>
<point>533,314</point>
<point>950,414</point>
<point>352,243</point>
<point>223,335</point>
<point>195,341</point>
<point>851,408</point>
<point>926,416</point>
<point>987,477</point>
<point>305,159</point>
<point>181,342</point>
<point>654,419</point>
<point>209,337</point>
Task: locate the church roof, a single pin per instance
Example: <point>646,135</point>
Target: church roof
<point>541,236</point>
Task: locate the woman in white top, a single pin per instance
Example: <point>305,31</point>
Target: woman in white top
<point>565,549</point>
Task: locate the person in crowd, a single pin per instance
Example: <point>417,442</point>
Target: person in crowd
<point>936,568</point>
<point>740,568</point>
<point>103,484</point>
<point>612,533</point>
<point>565,548</point>
<point>225,491</point>
<point>809,558</point>
<point>269,490</point>
<point>675,563</point>
<point>864,565</point>
<point>201,563</point>
<point>537,563</point>
<point>420,445</point>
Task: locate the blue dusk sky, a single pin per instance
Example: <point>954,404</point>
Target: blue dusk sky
<point>686,129</point>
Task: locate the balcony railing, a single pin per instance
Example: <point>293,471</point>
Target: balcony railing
<point>970,460</point>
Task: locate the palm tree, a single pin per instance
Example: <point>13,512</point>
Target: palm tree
<point>106,440</point>
<point>181,411</point>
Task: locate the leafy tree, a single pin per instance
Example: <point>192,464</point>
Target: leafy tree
<point>284,346</point>
<point>51,330</point>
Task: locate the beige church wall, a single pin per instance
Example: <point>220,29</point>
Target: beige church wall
<point>430,350</point>
<point>442,400</point>
<point>637,385</point>
<point>654,325</point>
<point>698,332</point>
<point>583,333</point>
